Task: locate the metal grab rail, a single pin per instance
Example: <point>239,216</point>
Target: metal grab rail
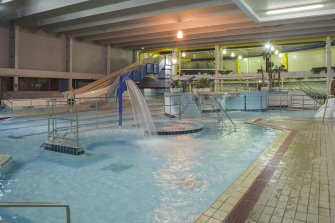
<point>224,111</point>
<point>38,204</point>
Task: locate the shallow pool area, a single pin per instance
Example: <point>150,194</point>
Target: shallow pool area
<point>122,178</point>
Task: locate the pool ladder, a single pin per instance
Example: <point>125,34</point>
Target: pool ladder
<point>38,204</point>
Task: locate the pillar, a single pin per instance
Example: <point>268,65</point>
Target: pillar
<point>329,68</point>
<point>16,83</point>
<point>179,62</point>
<point>217,59</point>
<point>174,62</point>
<point>69,83</point>
<point>69,58</point>
<point>69,53</point>
<point>108,58</point>
<point>13,45</point>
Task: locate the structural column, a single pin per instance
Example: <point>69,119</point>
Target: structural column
<point>174,62</point>
<point>217,59</point>
<point>329,68</point>
<point>14,51</point>
<point>16,83</point>
<point>108,58</point>
<point>69,57</point>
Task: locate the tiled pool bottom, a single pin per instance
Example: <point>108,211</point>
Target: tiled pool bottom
<point>162,179</point>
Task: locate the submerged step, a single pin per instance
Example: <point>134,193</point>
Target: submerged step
<point>63,148</point>
<point>4,163</point>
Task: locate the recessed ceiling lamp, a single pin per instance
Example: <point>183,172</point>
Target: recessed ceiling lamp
<point>294,9</point>
<point>276,51</point>
<point>272,48</point>
<point>142,48</point>
<point>239,57</point>
<point>183,54</point>
<point>267,45</point>
<point>232,54</point>
<point>224,51</point>
<point>180,34</point>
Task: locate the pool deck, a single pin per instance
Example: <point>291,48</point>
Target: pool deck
<point>292,181</point>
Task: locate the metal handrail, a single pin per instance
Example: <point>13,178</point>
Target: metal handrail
<point>38,204</point>
<point>223,110</point>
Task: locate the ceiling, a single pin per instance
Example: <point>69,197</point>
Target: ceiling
<point>154,23</point>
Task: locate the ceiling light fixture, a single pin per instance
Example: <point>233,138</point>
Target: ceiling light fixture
<point>183,54</point>
<point>272,48</point>
<point>232,54</point>
<point>276,51</point>
<point>5,1</point>
<point>294,9</point>
<point>280,55</point>
<point>239,57</point>
<point>224,51</point>
<point>267,45</point>
<point>180,34</point>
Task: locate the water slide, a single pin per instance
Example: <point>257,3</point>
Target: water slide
<point>103,86</point>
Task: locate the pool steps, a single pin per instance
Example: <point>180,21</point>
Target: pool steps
<point>5,163</point>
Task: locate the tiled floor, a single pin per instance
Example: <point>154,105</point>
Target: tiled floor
<point>292,181</point>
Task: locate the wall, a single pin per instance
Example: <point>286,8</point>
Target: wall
<point>41,51</point>
<point>88,57</point>
<point>120,58</point>
<point>230,65</point>
<point>306,60</point>
<point>297,61</point>
<point>4,43</point>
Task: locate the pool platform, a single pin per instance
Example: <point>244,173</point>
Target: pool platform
<point>177,127</point>
<point>63,148</point>
<point>293,180</point>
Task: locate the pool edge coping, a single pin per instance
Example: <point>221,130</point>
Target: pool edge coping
<point>220,209</point>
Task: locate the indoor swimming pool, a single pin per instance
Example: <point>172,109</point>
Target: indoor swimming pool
<point>127,179</point>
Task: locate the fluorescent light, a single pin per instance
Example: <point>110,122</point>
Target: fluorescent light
<point>180,34</point>
<point>294,9</point>
<point>232,54</point>
<point>224,51</point>
<point>5,1</point>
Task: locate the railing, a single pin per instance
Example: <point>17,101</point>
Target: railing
<point>214,101</point>
<point>224,111</point>
<point>37,204</point>
<point>7,100</point>
<point>310,91</point>
<point>292,101</point>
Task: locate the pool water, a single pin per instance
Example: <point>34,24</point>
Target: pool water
<point>127,179</point>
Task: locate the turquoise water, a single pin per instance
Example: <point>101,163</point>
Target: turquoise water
<point>126,179</point>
